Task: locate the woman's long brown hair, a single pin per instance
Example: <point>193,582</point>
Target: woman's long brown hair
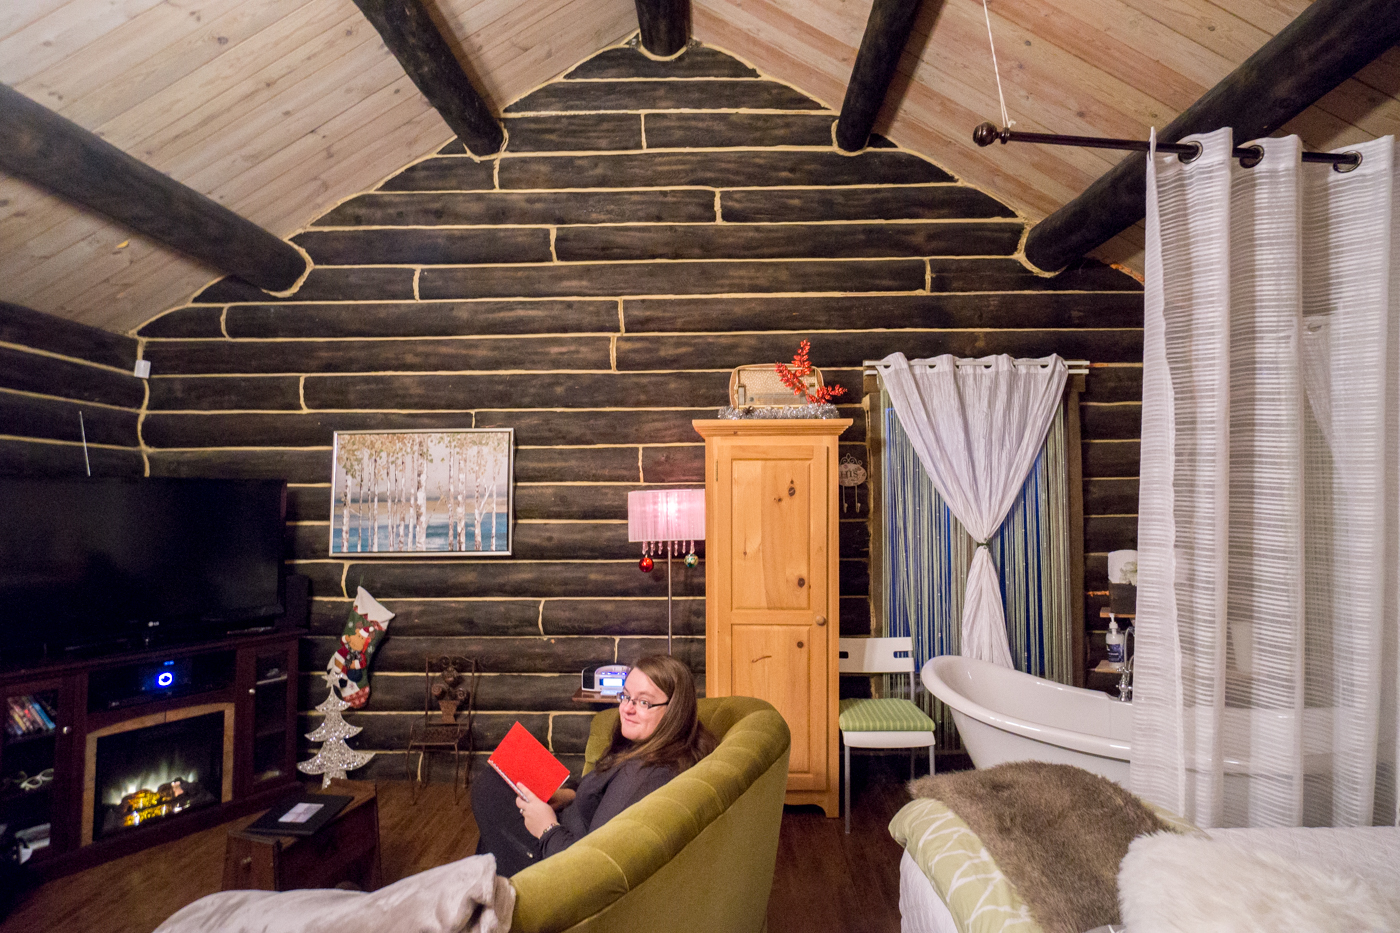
<point>680,739</point>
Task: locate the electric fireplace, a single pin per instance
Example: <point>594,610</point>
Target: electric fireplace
<point>157,767</point>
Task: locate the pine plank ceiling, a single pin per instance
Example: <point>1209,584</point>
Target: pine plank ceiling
<point>280,109</point>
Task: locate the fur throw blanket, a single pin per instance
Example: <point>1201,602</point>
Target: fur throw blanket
<point>1057,832</point>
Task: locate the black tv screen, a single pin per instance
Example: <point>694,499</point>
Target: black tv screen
<point>88,562</point>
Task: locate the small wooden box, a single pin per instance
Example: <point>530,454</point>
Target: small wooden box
<point>347,849</point>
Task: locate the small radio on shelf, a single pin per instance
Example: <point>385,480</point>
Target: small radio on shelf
<point>606,679</point>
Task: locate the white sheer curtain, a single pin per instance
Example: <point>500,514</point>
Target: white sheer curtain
<point>977,426</point>
<point>1268,562</point>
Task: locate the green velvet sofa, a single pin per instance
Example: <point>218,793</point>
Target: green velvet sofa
<point>696,855</point>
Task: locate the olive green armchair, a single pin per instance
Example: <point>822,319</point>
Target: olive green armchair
<point>696,855</point>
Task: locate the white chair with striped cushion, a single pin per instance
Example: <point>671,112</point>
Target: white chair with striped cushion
<point>881,723</point>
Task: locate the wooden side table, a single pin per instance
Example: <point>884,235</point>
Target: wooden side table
<point>347,849</point>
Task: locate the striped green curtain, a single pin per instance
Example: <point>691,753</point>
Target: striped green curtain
<point>927,554</point>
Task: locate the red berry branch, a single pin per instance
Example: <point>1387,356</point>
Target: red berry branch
<point>792,376</point>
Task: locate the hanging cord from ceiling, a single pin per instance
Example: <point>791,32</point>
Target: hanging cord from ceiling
<point>1006,121</point>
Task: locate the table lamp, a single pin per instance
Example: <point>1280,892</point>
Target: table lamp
<point>662,519</point>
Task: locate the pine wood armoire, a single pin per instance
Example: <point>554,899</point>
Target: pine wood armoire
<point>772,609</point>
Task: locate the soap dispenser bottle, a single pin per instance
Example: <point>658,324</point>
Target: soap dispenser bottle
<point>1116,645</point>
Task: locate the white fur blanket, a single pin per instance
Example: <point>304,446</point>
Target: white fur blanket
<point>465,895</point>
<point>1183,884</point>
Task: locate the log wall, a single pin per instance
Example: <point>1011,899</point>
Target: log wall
<point>649,226</point>
<point>52,369</point>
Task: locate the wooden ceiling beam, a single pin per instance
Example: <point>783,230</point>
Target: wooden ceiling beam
<point>1326,44</point>
<point>886,32</point>
<point>426,56</point>
<point>665,26</point>
<point>59,155</point>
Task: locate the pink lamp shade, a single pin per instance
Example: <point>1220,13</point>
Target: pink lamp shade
<point>666,515</point>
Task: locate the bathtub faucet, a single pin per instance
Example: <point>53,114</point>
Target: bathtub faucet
<point>1125,681</point>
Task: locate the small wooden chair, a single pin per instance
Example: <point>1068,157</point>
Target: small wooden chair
<point>445,732</point>
<point>881,723</point>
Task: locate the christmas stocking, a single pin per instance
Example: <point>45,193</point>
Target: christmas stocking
<point>348,670</point>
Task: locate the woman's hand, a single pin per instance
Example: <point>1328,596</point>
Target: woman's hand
<point>538,814</point>
<point>562,798</point>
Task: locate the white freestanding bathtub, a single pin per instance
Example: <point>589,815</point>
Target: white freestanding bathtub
<point>1004,715</point>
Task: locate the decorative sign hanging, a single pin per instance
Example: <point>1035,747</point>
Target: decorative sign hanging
<point>850,474</point>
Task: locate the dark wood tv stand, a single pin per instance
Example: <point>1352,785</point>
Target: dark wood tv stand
<point>254,686</point>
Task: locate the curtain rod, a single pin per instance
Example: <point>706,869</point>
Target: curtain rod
<point>1074,367</point>
<point>986,133</point>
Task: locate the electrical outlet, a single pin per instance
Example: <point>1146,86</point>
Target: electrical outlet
<point>143,369</point>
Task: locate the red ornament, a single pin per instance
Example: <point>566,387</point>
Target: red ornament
<point>645,564</point>
<point>801,366</point>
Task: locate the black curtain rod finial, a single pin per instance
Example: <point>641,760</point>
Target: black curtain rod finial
<point>987,133</point>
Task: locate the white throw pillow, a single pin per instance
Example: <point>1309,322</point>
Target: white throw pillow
<point>1170,883</point>
<point>465,894</point>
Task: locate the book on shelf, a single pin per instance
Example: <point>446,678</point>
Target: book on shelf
<point>27,717</point>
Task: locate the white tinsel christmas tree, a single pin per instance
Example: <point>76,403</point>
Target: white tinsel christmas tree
<point>334,757</point>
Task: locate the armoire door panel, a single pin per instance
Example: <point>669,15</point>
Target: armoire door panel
<point>771,535</point>
<point>775,663</point>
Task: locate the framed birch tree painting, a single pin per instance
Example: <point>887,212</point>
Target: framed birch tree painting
<point>423,492</point>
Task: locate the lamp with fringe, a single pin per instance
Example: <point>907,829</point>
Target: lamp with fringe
<point>662,519</point>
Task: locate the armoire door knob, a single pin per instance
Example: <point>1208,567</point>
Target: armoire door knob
<point>821,620</point>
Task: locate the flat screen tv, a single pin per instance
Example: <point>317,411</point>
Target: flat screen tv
<point>88,564</point>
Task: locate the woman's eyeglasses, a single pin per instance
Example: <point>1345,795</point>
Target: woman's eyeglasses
<point>643,705</point>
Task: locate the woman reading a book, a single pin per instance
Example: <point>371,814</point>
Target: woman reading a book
<point>658,736</point>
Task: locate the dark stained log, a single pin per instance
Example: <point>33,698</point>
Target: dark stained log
<point>622,427</point>
<point>724,168</point>
<point>1110,532</point>
<point>294,466</point>
<point>209,393</point>
<point>326,284</point>
<point>426,579</point>
<point>985,311</point>
<point>58,154</point>
<point>524,207</point>
<point>442,174</point>
<point>665,25</point>
<point>389,731</point>
<point>673,464</point>
<point>697,94</point>
<point>33,458</point>
<point>48,375</point>
<point>886,32</point>
<point>421,319</point>
<point>299,429</point>
<point>579,503</point>
<point>1111,458</point>
<point>665,278</point>
<point>324,576</point>
<point>57,419</point>
<point>562,132</point>
<point>997,275</point>
<point>712,130</point>
<point>186,322</point>
<point>1111,496</point>
<point>1326,44</point>
<point>41,331</point>
<point>537,654</point>
<point>855,538</point>
<point>424,246</point>
<point>1111,384</point>
<point>309,503</point>
<point>191,357</point>
<point>689,650</point>
<point>430,617</point>
<point>577,465</point>
<point>535,540</point>
<point>1108,421</point>
<point>425,55</point>
<point>786,241</point>
<point>850,348</point>
<point>622,616</point>
<point>855,616</point>
<point>695,62</point>
<point>923,202</point>
<point>855,577</point>
<point>524,390</point>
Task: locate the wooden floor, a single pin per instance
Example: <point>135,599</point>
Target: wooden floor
<point>825,880</point>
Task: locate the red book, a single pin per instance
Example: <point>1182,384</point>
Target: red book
<point>521,759</point>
